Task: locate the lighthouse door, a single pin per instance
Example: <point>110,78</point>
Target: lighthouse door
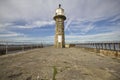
<point>59,38</point>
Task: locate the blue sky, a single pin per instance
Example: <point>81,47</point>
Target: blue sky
<point>32,20</point>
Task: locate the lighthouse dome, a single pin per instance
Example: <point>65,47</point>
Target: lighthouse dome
<point>59,11</point>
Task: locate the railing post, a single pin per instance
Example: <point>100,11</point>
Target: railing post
<point>6,48</point>
<point>95,45</point>
<point>109,45</point>
<point>31,46</point>
<point>92,45</point>
<point>37,46</point>
<point>99,46</point>
<point>105,46</point>
<point>119,47</point>
<point>102,46</point>
<point>114,46</point>
<point>23,47</point>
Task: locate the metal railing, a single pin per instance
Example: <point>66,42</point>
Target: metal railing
<point>8,47</point>
<point>114,46</point>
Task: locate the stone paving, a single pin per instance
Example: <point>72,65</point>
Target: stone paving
<point>63,64</point>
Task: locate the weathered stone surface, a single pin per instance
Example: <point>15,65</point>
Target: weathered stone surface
<point>59,28</point>
<point>70,63</point>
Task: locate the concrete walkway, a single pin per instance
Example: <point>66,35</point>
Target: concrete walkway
<point>69,63</point>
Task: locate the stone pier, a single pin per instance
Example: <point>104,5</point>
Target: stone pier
<point>62,64</point>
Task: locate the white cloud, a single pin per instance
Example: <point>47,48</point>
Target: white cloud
<point>110,36</point>
<point>10,35</point>
<point>68,24</point>
<point>4,25</point>
<point>26,39</point>
<point>7,34</point>
<point>78,27</point>
<point>36,24</point>
<point>43,23</point>
<point>44,9</point>
<point>27,25</point>
<point>28,10</point>
<point>39,13</point>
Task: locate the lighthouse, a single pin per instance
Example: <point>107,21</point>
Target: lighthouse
<point>59,18</point>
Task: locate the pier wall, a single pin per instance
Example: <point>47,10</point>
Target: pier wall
<point>108,49</point>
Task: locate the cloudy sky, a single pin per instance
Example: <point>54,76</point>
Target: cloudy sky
<point>87,20</point>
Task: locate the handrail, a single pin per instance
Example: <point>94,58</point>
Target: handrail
<point>115,46</point>
<point>7,46</point>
